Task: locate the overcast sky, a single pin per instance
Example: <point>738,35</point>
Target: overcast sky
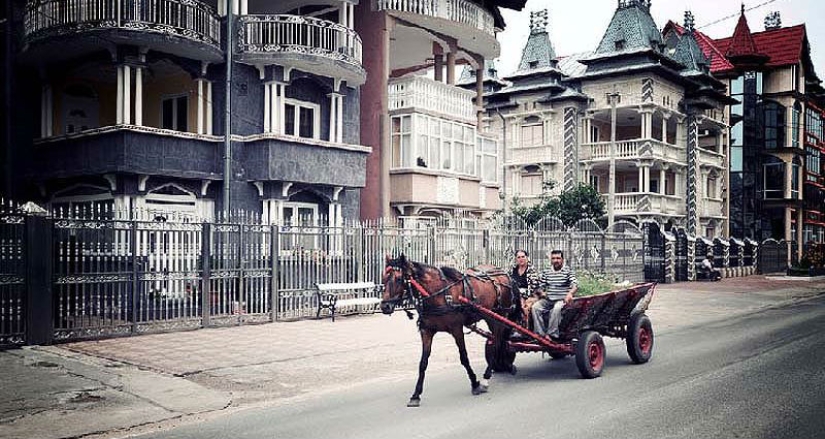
<point>577,26</point>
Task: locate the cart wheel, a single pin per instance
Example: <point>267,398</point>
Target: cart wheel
<point>499,357</point>
<point>590,354</point>
<point>639,338</point>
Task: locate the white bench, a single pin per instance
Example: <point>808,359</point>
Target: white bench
<point>330,296</point>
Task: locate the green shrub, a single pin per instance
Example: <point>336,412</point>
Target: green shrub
<point>591,283</point>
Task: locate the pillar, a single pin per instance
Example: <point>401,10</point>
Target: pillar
<point>451,67</point>
<point>46,111</point>
<point>376,28</point>
<point>662,177</point>
<point>127,94</point>
<point>139,95</point>
<point>336,116</point>
<point>438,65</point>
<point>480,93</point>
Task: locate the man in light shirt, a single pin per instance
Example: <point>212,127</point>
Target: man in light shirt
<point>556,286</point>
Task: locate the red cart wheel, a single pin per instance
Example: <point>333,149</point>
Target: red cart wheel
<point>639,338</point>
<point>590,354</point>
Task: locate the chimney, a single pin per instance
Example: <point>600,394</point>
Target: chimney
<point>773,21</point>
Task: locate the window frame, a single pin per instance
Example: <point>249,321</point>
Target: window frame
<point>305,105</point>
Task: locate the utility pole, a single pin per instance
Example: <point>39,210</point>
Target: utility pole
<point>227,143</point>
<point>503,161</point>
<point>612,98</point>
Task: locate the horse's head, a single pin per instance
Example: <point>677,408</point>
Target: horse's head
<point>397,274</point>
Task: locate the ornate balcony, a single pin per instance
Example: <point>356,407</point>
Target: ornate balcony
<point>531,155</point>
<point>647,203</point>
<point>435,189</point>
<point>305,43</point>
<point>468,22</point>
<point>712,159</point>
<point>426,95</point>
<point>58,29</point>
<point>634,149</point>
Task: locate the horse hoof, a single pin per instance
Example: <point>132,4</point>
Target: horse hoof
<point>513,369</point>
<point>414,402</point>
<point>479,390</point>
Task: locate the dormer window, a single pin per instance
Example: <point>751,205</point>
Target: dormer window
<point>620,44</point>
<point>533,64</point>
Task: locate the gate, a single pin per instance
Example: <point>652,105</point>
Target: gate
<point>12,277</point>
<point>773,256</point>
<point>654,252</point>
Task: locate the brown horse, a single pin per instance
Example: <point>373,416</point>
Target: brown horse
<point>441,297</point>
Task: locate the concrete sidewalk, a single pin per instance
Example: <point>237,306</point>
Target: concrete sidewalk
<point>116,387</point>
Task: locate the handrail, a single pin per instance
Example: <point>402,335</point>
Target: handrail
<point>461,11</point>
<point>189,19</point>
<point>295,33</point>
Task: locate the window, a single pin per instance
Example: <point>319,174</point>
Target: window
<point>532,135</point>
<point>532,185</point>
<point>711,188</point>
<point>401,142</point>
<point>175,113</point>
<point>795,125</point>
<point>301,119</point>
<point>774,125</point>
<point>620,44</point>
<point>774,187</point>
<point>813,161</point>
<point>488,159</point>
<point>795,173</point>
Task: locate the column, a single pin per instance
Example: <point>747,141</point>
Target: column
<point>332,221</point>
<point>267,107</point>
<point>438,61</point>
<point>336,115</point>
<point>646,179</point>
<point>139,96</point>
<point>480,93</point>
<point>641,185</point>
<point>662,181</point>
<point>127,94</point>
<point>647,124</point>
<point>119,96</point>
<point>451,68</point>
<point>209,107</point>
<point>664,128</point>
<point>46,111</point>
<point>200,121</point>
<point>244,6</point>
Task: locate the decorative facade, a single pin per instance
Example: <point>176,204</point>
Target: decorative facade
<point>132,107</point>
<point>775,130</point>
<point>430,158</point>
<point>641,121</point>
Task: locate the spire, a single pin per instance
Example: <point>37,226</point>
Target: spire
<point>741,43</point>
<point>538,52</point>
<point>688,52</point>
<point>632,28</point>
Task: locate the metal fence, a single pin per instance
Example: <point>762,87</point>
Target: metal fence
<point>99,275</point>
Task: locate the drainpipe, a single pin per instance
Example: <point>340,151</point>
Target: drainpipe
<point>227,142</point>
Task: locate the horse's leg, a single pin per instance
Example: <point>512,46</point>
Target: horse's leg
<point>458,335</point>
<point>426,348</point>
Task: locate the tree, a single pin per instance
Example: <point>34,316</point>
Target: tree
<point>580,202</point>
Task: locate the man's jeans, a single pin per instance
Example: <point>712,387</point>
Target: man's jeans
<point>540,308</point>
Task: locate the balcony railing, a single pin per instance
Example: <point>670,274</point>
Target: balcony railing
<point>635,203</point>
<point>189,19</point>
<point>530,155</point>
<point>712,158</point>
<point>634,149</point>
<point>461,11</point>
<point>419,92</point>
<point>297,34</point>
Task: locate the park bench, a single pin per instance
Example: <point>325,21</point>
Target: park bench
<point>332,296</point>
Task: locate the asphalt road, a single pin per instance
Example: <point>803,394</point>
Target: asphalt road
<point>759,375</point>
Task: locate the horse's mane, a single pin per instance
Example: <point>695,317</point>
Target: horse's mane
<point>451,273</point>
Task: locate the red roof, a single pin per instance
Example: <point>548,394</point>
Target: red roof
<point>741,43</point>
<point>783,46</point>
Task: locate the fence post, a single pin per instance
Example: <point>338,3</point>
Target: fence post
<point>206,268</point>
<point>39,300</point>
<point>135,273</point>
<point>274,261</point>
<point>432,247</point>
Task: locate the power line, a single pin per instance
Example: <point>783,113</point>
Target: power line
<point>735,15</point>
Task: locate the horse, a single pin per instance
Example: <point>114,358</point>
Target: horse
<point>438,295</point>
